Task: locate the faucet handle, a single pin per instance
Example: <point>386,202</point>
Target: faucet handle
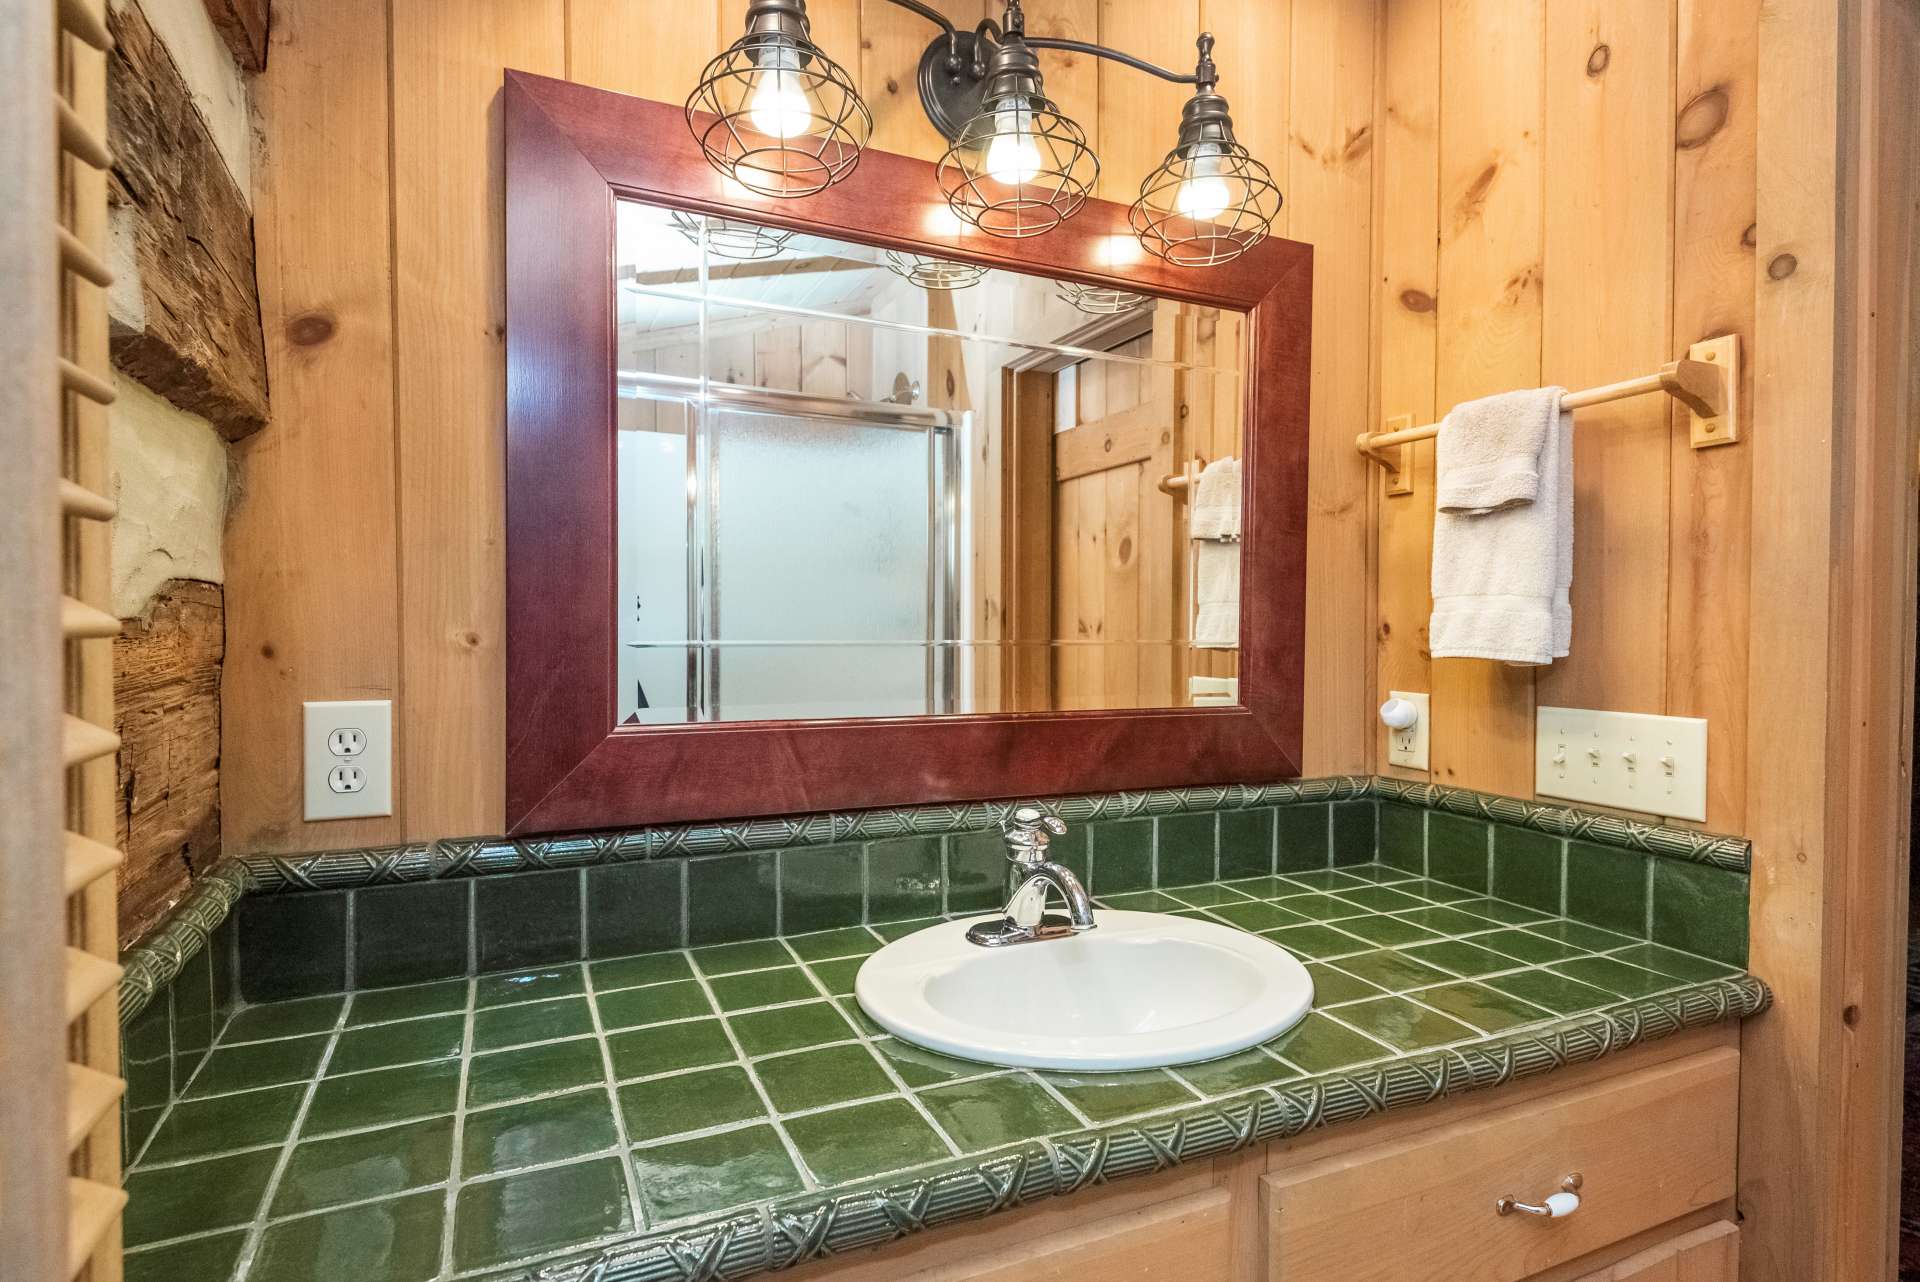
<point>1028,831</point>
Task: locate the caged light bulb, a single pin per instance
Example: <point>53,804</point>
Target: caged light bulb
<point>1203,195</point>
<point>778,106</point>
<point>1013,157</point>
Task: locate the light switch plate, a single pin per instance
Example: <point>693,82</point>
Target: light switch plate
<point>1408,747</point>
<point>1630,761</point>
<point>348,758</point>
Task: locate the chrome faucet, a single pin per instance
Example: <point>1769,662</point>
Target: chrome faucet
<point>1031,876</point>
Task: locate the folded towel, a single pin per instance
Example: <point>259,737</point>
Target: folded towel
<point>1216,617</point>
<point>1488,454</point>
<point>1215,510</point>
<point>1501,577</point>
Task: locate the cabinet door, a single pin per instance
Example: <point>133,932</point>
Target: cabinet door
<point>1711,1254</point>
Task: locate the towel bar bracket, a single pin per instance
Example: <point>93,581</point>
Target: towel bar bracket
<point>1721,427</point>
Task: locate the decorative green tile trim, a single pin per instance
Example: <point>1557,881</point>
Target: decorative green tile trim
<point>806,1227</point>
<point>157,960</point>
<point>1690,845</point>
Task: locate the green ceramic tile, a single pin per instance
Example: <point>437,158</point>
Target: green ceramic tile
<point>1317,941</point>
<point>536,1132</point>
<point>1447,921</point>
<point>976,872</point>
<point>1394,971</point>
<point>1457,850</point>
<point>892,930</point>
<point>1188,846</point>
<point>821,887</point>
<point>1614,976</point>
<point>763,988</point>
<point>379,1005</point>
<point>531,1022</point>
<point>1403,1025</point>
<point>532,919</point>
<point>1668,961</point>
<point>1148,901</point>
<point>848,941</point>
<point>1213,896</point>
<point>1257,915</point>
<point>534,985</point>
<point>292,945</point>
<point>1303,838</point>
<point>1608,887</point>
<point>1246,842</point>
<point>841,1145</point>
<point>385,1095</point>
<point>850,1010</point>
<point>1438,892</point>
<point>393,1241</point>
<point>1318,906</point>
<point>1237,1072</point>
<point>685,1178</point>
<point>1107,1097</point>
<point>1355,832</point>
<point>256,1064</point>
<point>208,1258</point>
<point>365,1165</point>
<point>1379,874</point>
<point>731,959</point>
<point>1700,909</point>
<point>533,1070</point>
<point>1537,949</point>
<point>1483,1007</point>
<point>685,1102</point>
<point>631,972</point>
<point>1577,934</point>
<point>653,1004</point>
<point>225,1122</point>
<point>1265,887</point>
<point>411,932</point>
<point>1556,993</point>
<point>1403,837</point>
<point>1326,879</point>
<point>816,1078</point>
<point>903,878</point>
<point>283,1019</point>
<point>1465,959</point>
<point>918,1066</point>
<point>635,907</point>
<point>1331,986</point>
<point>197,1196</point>
<point>1123,856</point>
<point>411,1042</point>
<point>788,1028</point>
<point>732,897</point>
<point>1390,932</point>
<point>535,1211</point>
<point>1498,910</point>
<point>666,1047</point>
<point>837,977</point>
<point>1527,867</point>
<point>1381,899</point>
<point>1319,1045</point>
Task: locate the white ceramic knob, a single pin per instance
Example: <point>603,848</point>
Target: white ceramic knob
<point>1399,713</point>
<point>1561,1205</point>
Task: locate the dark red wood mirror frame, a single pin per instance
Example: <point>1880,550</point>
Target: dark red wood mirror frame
<point>570,152</point>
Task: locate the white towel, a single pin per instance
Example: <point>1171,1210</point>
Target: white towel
<point>1215,511</point>
<point>1490,459</point>
<point>1216,615</point>
<point>1501,575</point>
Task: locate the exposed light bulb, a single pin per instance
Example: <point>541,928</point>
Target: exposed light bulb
<point>1204,195</point>
<point>1013,157</point>
<point>779,106</point>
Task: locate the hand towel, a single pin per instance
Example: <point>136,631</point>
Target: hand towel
<point>1215,510</point>
<point>1489,451</point>
<point>1501,577</point>
<point>1216,615</point>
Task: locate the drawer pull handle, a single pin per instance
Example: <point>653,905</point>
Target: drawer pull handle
<point>1557,1206</point>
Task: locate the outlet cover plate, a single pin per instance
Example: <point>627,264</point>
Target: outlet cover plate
<point>1630,761</point>
<point>374,719</point>
<point>1409,747</point>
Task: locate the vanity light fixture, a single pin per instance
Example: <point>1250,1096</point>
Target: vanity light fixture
<point>780,116</point>
<point>934,273</point>
<point>1099,300</point>
<point>732,238</point>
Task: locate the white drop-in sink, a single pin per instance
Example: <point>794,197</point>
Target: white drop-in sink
<point>1141,990</point>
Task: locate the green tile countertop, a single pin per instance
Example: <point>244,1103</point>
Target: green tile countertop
<point>690,1115</point>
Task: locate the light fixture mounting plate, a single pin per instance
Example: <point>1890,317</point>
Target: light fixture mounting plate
<point>952,97</point>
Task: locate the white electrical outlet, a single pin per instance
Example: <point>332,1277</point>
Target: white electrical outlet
<point>1628,760</point>
<point>349,759</point>
<point>1407,745</point>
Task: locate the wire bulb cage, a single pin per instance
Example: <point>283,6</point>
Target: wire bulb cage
<point>1019,167</point>
<point>732,238</point>
<point>929,272</point>
<point>776,114</point>
<point>1209,201</point>
<point>1100,300</point>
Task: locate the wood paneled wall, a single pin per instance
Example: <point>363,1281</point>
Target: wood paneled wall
<point>365,553</point>
<point>1566,195</point>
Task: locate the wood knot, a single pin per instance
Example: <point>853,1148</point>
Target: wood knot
<point>1704,116</point>
<point>1597,60</point>
<point>310,329</point>
<point>893,86</point>
<point>1417,300</point>
<point>1106,446</point>
<point>1782,266</point>
<point>1750,238</point>
<point>267,650</point>
<point>470,639</point>
<point>951,385</point>
<point>1126,550</point>
<point>1851,1015</point>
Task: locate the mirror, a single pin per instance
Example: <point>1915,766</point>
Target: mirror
<point>855,482</point>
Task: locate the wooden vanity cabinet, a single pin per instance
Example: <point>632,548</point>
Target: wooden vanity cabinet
<point>1404,1197</point>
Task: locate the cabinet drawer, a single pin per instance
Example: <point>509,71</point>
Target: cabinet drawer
<point>1648,1146</point>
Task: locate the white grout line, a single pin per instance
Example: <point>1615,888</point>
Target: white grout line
<point>637,1212</point>
<point>459,1131</point>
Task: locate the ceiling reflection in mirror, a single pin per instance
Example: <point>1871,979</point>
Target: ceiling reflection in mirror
<point>857,482</point>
